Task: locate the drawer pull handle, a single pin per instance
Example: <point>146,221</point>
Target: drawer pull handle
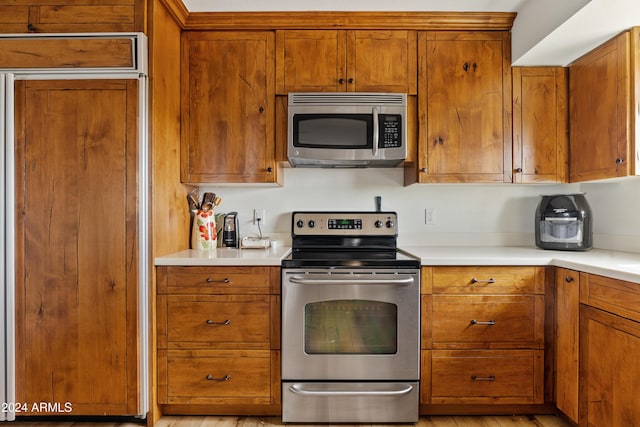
<point>489,378</point>
<point>491,280</point>
<point>489,323</point>
<point>211,322</point>
<point>225,280</point>
<point>221,379</point>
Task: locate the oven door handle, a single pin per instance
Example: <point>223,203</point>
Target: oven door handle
<point>305,281</point>
<point>299,389</point>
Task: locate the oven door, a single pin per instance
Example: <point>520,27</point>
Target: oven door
<point>350,324</point>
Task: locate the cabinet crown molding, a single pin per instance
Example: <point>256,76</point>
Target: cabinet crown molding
<point>455,21</point>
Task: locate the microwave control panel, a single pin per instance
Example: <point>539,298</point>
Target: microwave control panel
<point>390,131</point>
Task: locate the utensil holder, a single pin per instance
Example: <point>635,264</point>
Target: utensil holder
<point>204,234</point>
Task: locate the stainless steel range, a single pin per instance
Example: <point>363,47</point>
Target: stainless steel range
<point>350,321</point>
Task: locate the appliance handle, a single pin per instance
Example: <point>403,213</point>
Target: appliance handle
<point>299,389</point>
<point>376,133</point>
<point>305,281</point>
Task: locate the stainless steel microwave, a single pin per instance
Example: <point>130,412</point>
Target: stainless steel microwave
<point>351,129</point>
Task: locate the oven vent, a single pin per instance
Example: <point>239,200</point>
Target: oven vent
<point>355,98</point>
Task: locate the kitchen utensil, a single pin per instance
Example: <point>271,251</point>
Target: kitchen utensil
<point>193,207</point>
<point>208,198</point>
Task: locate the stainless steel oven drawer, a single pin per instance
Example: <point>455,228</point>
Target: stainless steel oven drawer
<point>338,402</point>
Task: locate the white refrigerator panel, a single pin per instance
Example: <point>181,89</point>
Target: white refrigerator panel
<point>7,322</point>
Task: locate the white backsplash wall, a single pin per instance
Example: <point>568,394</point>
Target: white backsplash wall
<point>465,214</point>
<point>616,213</point>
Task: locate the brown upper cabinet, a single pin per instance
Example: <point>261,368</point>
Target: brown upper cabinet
<point>71,16</point>
<point>602,109</point>
<point>228,107</point>
<point>540,125</point>
<point>464,106</point>
<point>346,60</point>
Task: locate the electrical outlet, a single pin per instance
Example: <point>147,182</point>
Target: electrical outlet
<point>429,216</point>
<point>259,214</point>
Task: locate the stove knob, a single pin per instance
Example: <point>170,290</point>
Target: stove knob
<point>300,223</point>
<point>389,223</point>
<point>312,223</point>
<point>378,224</point>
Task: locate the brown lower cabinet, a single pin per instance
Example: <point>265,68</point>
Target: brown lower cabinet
<point>609,349</point>
<point>493,339</point>
<point>218,340</point>
<point>482,337</point>
<point>567,341</point>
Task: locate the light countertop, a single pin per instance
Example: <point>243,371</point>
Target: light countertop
<point>618,265</point>
<point>225,256</point>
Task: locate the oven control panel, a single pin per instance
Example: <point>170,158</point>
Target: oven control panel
<point>344,224</point>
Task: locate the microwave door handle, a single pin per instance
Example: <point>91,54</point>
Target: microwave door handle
<point>376,135</point>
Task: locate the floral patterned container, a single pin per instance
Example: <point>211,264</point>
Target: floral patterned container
<point>204,234</point>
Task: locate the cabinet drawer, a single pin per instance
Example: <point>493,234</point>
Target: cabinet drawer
<point>215,280</point>
<point>232,320</point>
<point>487,377</point>
<point>496,321</point>
<point>488,280</point>
<point>615,296</point>
<point>214,377</point>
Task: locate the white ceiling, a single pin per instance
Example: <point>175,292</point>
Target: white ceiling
<point>545,32</point>
<point>353,5</point>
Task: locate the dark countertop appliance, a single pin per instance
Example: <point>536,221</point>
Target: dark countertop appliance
<point>230,231</point>
<point>564,222</point>
<point>350,321</point>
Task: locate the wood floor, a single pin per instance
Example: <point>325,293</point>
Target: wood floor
<point>214,421</point>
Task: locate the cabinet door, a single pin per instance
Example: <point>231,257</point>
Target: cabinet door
<point>609,369</point>
<point>76,244</point>
<point>311,61</point>
<point>567,327</point>
<point>382,61</point>
<point>355,60</point>
<point>228,108</point>
<point>599,98</point>
<point>540,125</point>
<point>465,106</point>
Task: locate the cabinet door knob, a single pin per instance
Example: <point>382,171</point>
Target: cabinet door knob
<point>351,80</point>
<point>423,170</point>
<point>269,169</point>
<point>619,161</point>
<point>31,27</point>
<point>261,110</point>
<point>466,66</point>
<point>568,279</point>
<point>518,170</point>
<point>341,81</point>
